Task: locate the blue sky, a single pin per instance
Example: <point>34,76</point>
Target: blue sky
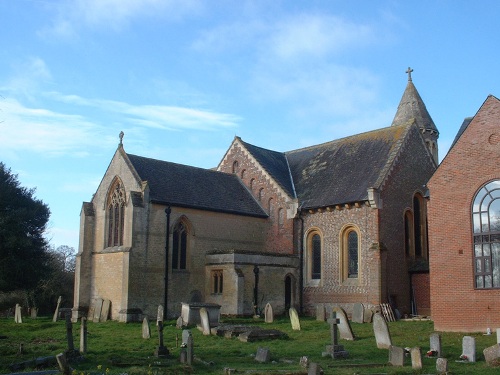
<point>181,78</point>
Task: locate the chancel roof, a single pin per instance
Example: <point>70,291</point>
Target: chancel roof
<point>186,186</point>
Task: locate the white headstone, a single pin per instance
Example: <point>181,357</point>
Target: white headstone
<point>268,313</point>
<point>205,321</point>
<point>381,330</point>
<point>469,348</point>
<point>159,316</point>
<point>358,313</point>
<point>416,358</point>
<point>435,343</point>
<point>146,330</point>
<point>294,319</point>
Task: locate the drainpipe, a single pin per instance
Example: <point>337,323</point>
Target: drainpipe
<point>168,210</point>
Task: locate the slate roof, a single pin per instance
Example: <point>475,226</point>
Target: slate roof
<point>464,126</point>
<point>186,186</point>
<point>341,171</point>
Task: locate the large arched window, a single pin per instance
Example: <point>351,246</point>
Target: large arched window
<point>314,256</point>
<point>486,232</point>
<point>116,213</point>
<point>350,253</point>
<point>179,246</point>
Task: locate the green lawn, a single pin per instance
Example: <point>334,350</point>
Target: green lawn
<point>118,348</point>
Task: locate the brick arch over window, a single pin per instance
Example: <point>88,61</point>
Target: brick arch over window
<point>350,244</point>
<point>115,213</point>
<point>181,233</point>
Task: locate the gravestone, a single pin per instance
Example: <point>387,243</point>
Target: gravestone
<point>396,355</point>
<point>469,348</point>
<point>263,355</point>
<point>161,350</point>
<point>83,335</point>
<point>34,313</point>
<point>258,334</point>
<point>344,326</point>
<point>498,335</point>
<point>320,312</point>
<point>160,314</point>
<point>334,350</point>
<point>314,369</point>
<point>97,310</point>
<point>56,313</point>
<point>268,313</point>
<point>492,353</point>
<point>69,333</point>
<point>294,319</point>
<point>416,358</point>
<point>105,310</point>
<point>179,323</point>
<point>435,344</point>
<point>63,364</point>
<point>146,330</point>
<point>205,321</point>
<point>185,335</point>
<point>18,318</point>
<point>189,348</point>
<point>381,331</point>
<point>358,313</point>
<point>368,316</point>
<point>442,366</point>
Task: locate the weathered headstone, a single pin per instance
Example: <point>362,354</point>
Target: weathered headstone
<point>105,310</point>
<point>358,313</point>
<point>381,331</point>
<point>63,364</point>
<point>469,348</point>
<point>83,335</point>
<point>268,313</point>
<point>314,369</point>
<point>205,321</point>
<point>97,310</point>
<point>18,318</point>
<point>368,316</point>
<point>34,312</point>
<point>179,323</point>
<point>416,358</point>
<point>185,335</point>
<point>294,319</point>
<point>160,314</point>
<point>56,313</point>
<point>304,361</point>
<point>69,333</point>
<point>263,355</point>
<point>161,350</point>
<point>396,355</point>
<point>442,366</point>
<point>492,353</point>
<point>345,329</point>
<point>335,350</point>
<point>189,347</point>
<point>435,344</point>
<point>320,312</point>
<point>146,330</point>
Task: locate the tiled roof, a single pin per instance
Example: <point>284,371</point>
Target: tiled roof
<point>186,186</point>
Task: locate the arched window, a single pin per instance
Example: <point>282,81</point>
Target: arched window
<point>419,227</point>
<point>409,246</point>
<point>350,253</point>
<point>486,232</point>
<point>243,174</point>
<point>235,166</point>
<point>261,194</point>
<point>116,214</point>
<point>179,247</point>
<point>314,256</point>
<point>281,216</point>
<point>270,205</point>
<point>252,183</point>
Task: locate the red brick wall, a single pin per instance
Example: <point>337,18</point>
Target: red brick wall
<point>472,162</point>
<point>421,293</point>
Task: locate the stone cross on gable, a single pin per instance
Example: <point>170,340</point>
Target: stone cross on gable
<point>408,71</point>
<point>121,137</point>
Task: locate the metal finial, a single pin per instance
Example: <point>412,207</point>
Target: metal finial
<point>121,137</point>
<point>409,73</point>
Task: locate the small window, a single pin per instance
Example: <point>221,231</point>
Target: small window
<point>271,208</point>
<point>243,174</point>
<point>235,166</point>
<point>217,281</point>
<point>261,194</point>
<point>281,216</point>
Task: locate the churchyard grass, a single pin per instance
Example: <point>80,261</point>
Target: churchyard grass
<point>118,348</point>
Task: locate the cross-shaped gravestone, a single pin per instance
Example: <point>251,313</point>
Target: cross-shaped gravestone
<point>161,350</point>
<point>335,350</point>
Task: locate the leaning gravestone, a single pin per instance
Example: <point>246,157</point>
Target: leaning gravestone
<point>146,330</point>
<point>469,348</point>
<point>396,356</point>
<point>294,319</point>
<point>268,313</point>
<point>205,321</point>
<point>435,344</point>
<point>381,331</point>
<point>320,312</point>
<point>345,329</point>
<point>97,310</point>
<point>416,358</point>
<point>358,313</point>
<point>105,310</point>
<point>56,313</point>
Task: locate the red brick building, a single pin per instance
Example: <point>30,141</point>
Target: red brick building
<point>464,227</point>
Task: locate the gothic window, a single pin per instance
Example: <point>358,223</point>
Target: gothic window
<point>217,281</point>
<point>419,227</point>
<point>235,166</point>
<point>179,247</point>
<point>314,256</point>
<point>486,233</point>
<point>349,253</point>
<point>252,183</point>
<point>116,214</point>
<point>243,174</point>
<point>271,203</point>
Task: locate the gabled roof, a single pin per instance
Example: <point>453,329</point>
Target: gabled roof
<point>186,186</point>
<point>275,163</point>
<point>412,109</point>
<point>464,126</point>
<point>341,171</point>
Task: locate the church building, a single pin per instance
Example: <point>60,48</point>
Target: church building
<point>337,223</point>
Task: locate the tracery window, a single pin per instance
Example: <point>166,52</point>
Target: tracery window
<point>179,247</point>
<point>116,214</point>
<point>486,233</point>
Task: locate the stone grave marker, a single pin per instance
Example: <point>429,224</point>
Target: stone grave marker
<point>56,313</point>
<point>435,344</point>
<point>259,334</point>
<point>344,326</point>
<point>334,350</point>
<point>34,312</point>
<point>146,330</point>
<point>161,350</point>
<point>368,315</point>
<point>69,333</point>
<point>294,319</point>
<point>396,356</point>
<point>381,331</point>
<point>268,313</point>
<point>105,310</point>
<point>63,364</point>
<point>469,348</point>
<point>189,347</point>
<point>498,335</point>
<point>205,322</point>
<point>83,335</point>
<point>492,353</point>
<point>416,358</point>
<point>185,335</point>
<point>358,313</point>
<point>314,369</point>
<point>263,355</point>
<point>442,366</point>
<point>160,314</point>
<point>97,310</point>
<point>179,323</point>
<point>320,312</point>
<point>18,318</point>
